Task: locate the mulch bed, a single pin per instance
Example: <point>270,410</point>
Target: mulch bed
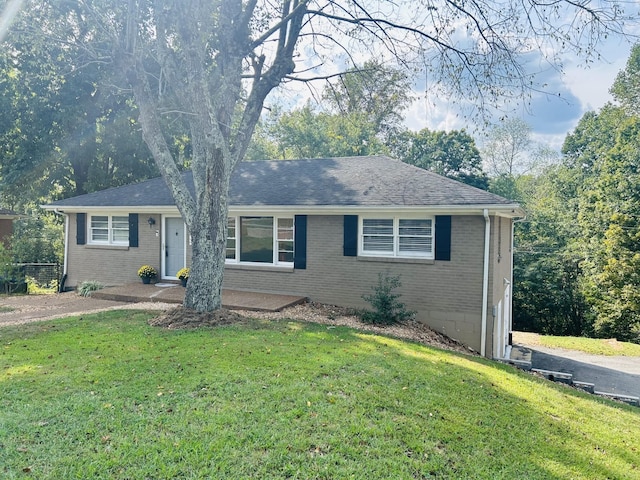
<point>183,318</point>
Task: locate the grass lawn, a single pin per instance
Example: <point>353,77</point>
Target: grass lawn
<point>107,396</point>
<point>594,346</point>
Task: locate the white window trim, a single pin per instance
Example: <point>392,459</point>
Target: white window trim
<point>110,241</point>
<point>275,249</point>
<point>396,237</point>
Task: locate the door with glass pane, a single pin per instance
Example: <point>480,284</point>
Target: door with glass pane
<point>174,246</point>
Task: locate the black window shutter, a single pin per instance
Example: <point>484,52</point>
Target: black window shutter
<point>350,246</point>
<point>443,237</point>
<point>133,229</point>
<point>81,228</point>
<point>300,242</point>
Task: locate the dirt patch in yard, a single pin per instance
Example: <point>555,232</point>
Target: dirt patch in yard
<point>23,309</point>
<point>181,317</point>
<point>613,343</point>
<point>184,318</point>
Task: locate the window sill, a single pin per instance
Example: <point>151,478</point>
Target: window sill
<point>423,261</point>
<point>106,247</point>
<point>255,266</point>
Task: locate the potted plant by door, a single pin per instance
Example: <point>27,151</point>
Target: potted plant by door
<point>146,273</point>
<point>183,276</point>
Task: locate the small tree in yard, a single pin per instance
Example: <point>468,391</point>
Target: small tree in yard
<point>387,309</point>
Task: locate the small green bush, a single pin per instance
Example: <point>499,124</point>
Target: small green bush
<point>387,309</point>
<point>89,286</point>
<point>34,288</point>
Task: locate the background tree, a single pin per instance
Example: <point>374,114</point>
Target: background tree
<point>64,131</point>
<point>626,88</point>
<point>506,147</point>
<point>37,240</point>
<point>212,64</point>
<point>360,113</point>
<point>547,297</point>
<point>375,94</point>
<point>608,214</point>
<point>508,151</point>
<point>452,154</point>
<point>306,133</point>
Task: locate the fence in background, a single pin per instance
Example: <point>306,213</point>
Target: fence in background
<point>45,274</point>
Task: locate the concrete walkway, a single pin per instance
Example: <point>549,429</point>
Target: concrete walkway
<point>174,293</point>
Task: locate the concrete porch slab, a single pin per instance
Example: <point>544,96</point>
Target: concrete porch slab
<point>231,299</point>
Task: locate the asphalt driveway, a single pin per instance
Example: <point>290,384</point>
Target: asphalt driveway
<point>610,374</point>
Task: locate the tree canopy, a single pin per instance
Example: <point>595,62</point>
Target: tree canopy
<point>578,254</point>
<point>451,154</point>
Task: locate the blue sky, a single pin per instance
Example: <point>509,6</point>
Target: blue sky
<point>570,94</point>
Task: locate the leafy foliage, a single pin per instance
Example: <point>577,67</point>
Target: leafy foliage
<point>87,287</point>
<point>387,308</point>
<point>546,296</point>
<point>452,154</point>
<point>37,240</point>
<point>609,211</point>
<point>626,88</point>
<point>11,277</point>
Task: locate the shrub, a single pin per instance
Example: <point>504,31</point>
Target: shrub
<point>34,288</point>
<point>387,309</point>
<point>89,286</point>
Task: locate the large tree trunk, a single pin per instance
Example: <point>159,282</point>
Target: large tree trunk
<point>208,236</point>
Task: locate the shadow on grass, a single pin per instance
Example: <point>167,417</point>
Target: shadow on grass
<point>288,399</point>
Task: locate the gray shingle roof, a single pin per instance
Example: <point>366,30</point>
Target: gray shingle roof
<point>351,181</point>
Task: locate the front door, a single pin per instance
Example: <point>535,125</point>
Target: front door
<point>174,246</point>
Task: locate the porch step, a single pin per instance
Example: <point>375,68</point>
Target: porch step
<point>231,299</point>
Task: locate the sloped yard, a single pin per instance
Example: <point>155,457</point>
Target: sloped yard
<point>108,396</point>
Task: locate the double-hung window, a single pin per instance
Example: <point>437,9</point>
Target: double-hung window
<point>109,229</point>
<point>397,237</point>
<point>260,239</point>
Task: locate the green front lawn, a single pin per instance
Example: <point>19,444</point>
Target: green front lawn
<point>107,396</point>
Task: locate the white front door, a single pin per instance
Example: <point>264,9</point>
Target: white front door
<point>174,246</point>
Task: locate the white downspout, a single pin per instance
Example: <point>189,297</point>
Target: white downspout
<point>66,240</point>
<point>485,282</point>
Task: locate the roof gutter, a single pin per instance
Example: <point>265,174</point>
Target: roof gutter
<point>508,211</point>
<point>485,282</point>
